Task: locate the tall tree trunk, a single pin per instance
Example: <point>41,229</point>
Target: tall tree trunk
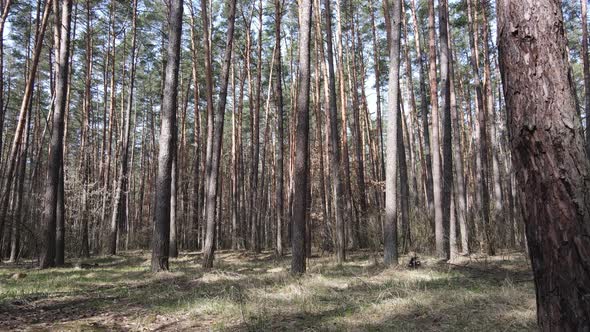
<point>498,211</point>
<point>261,196</point>
<point>345,163</point>
<point>85,129</point>
<point>161,234</point>
<point>213,178</point>
<point>111,125</point>
<point>56,149</point>
<point>404,189</point>
<point>255,151</point>
<point>197,133</point>
<point>278,92</point>
<point>586,71</point>
<point>459,175</point>
<point>549,159</point>
<point>61,212</point>
<point>390,230</point>
<point>301,166</point>
<point>240,178</point>
<point>321,82</point>
<point>435,139</point>
<point>209,99</point>
<point>481,169</point>
<point>121,191</point>
<point>442,233</point>
<point>359,227</point>
<point>335,158</point>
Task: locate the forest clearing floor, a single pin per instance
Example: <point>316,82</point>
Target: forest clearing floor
<point>254,292</point>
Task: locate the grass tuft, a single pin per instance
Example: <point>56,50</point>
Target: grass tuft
<point>248,292</point>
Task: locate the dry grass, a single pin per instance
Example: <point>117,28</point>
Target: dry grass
<point>256,292</point>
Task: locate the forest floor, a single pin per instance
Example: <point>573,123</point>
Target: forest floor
<point>256,292</point>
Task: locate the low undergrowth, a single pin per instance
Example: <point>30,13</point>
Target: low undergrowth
<point>256,292</point>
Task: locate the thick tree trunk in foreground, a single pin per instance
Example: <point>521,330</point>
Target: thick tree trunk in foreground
<point>549,159</point>
<point>390,229</point>
<point>56,148</point>
<point>586,71</point>
<point>301,167</point>
<point>161,234</point>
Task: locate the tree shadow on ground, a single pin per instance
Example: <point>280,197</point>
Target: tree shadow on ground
<point>123,295</point>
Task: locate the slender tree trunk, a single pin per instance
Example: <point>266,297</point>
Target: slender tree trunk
<point>60,232</point>
<point>161,234</point>
<point>240,178</point>
<point>261,194</point>
<point>56,149</point>
<point>209,99</point>
<point>404,189</point>
<point>442,235</point>
<point>459,175</point>
<point>196,200</point>
<point>120,197</point>
<point>301,166</point>
<point>498,210</point>
<point>85,134</point>
<point>111,125</point>
<point>335,158</point>
<point>549,159</point>
<point>435,139</point>
<point>254,240</point>
<point>278,92</point>
<point>345,163</point>
<point>212,180</point>
<point>390,230</point>
<point>481,169</point>
<point>234,198</point>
